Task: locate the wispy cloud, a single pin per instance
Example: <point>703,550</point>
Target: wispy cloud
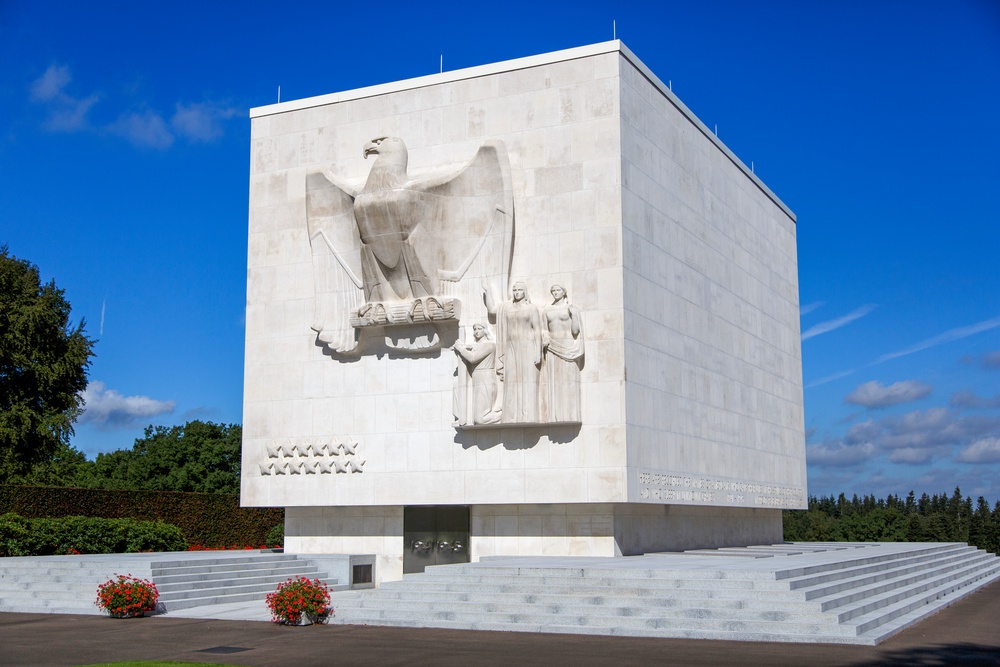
<point>874,395</point>
<point>986,450</point>
<point>201,121</point>
<point>195,122</point>
<point>108,409</point>
<point>831,378</point>
<point>967,399</point>
<point>146,130</point>
<point>66,113</point>
<point>946,337</point>
<point>989,361</point>
<point>831,325</point>
<point>913,438</point>
<point>808,308</point>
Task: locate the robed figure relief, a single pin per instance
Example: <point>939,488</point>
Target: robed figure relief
<point>406,251</point>
<point>475,395</point>
<point>519,355</point>
<point>562,339</point>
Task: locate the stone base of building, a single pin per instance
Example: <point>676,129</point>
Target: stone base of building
<point>598,529</point>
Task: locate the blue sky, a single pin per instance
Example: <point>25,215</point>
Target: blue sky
<point>124,148</point>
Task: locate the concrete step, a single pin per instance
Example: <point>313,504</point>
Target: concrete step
<point>269,580</point>
<point>228,598</point>
<point>233,587</point>
<point>862,596</point>
<point>863,558</point>
<point>282,573</point>
<point>871,574</point>
<point>69,583</point>
<point>889,580</point>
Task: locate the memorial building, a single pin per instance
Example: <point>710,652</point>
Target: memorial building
<point>528,308</point>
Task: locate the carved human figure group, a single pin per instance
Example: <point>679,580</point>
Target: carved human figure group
<point>531,373</point>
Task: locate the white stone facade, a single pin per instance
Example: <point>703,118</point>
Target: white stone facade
<point>681,261</point>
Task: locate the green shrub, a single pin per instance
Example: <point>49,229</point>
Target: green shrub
<point>208,519</point>
<point>276,536</point>
<point>14,535</point>
<point>85,535</point>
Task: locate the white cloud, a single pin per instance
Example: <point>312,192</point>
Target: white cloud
<point>146,130</point>
<point>108,409</point>
<point>200,121</point>
<point>874,395</point>
<point>66,113</point>
<point>941,339</point>
<point>912,438</point>
<point>50,85</point>
<point>838,454</point>
<point>830,325</point>
<point>196,122</point>
<point>912,455</point>
<point>967,399</point>
<point>986,450</point>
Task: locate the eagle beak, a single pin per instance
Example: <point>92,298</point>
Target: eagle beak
<point>370,148</point>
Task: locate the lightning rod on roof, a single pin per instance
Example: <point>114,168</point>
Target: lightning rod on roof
<point>442,64</point>
<point>279,94</point>
<point>614,29</point>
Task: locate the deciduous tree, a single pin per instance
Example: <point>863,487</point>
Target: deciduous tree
<point>43,367</point>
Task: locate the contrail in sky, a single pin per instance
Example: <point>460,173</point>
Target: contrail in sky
<point>103,304</point>
<point>830,325</point>
<point>946,337</point>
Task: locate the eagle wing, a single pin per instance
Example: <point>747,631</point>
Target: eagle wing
<point>336,260</point>
<point>465,230</point>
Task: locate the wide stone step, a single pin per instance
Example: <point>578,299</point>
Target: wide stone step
<point>271,580</point>
<point>665,592</point>
<point>887,581</point>
<point>605,597</point>
<point>873,614</point>
<point>222,565</point>
<point>208,598</point>
<point>470,619</point>
<point>576,608</point>
<point>865,576</point>
<point>671,581</point>
<point>860,561</point>
<point>865,600</point>
<point>50,606</point>
<point>896,564</point>
<point>283,572</point>
<point>234,587</point>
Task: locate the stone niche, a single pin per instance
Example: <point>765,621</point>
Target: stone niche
<point>541,290</point>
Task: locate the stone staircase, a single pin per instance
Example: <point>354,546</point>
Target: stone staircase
<point>856,593</point>
<point>68,584</point>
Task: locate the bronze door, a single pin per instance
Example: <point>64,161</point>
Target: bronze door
<point>434,535</point>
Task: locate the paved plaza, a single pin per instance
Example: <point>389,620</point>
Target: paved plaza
<point>963,634</point>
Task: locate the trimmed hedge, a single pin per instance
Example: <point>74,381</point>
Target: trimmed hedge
<point>20,536</point>
<point>207,519</point>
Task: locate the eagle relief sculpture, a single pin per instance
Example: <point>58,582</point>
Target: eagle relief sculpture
<point>398,256</point>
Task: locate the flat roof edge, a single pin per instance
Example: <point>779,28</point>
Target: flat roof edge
<point>669,94</point>
<point>524,63</point>
<point>443,77</point>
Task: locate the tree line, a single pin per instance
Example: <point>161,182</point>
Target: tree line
<point>198,456</point>
<point>937,518</point>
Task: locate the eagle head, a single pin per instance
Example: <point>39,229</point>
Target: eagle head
<point>391,150</point>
